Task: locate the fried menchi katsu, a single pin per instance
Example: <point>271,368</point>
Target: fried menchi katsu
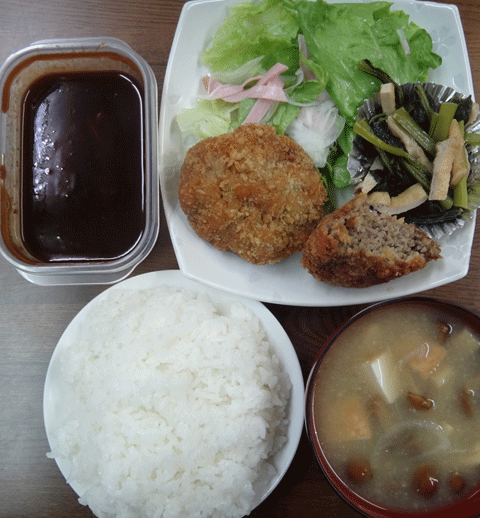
<point>252,192</point>
<point>357,246</point>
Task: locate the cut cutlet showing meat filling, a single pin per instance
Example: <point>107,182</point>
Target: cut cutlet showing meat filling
<point>357,246</point>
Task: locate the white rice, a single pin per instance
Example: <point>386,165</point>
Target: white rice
<point>174,406</point>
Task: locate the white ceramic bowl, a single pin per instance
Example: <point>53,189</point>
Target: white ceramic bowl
<point>56,393</point>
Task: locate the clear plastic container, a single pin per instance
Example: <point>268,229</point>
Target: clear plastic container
<point>87,57</point>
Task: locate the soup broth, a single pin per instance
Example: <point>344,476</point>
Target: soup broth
<point>397,407</point>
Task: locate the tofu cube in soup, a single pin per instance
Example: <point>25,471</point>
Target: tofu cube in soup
<point>383,373</point>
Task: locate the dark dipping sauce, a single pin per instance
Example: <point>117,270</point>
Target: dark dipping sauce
<point>83,168</point>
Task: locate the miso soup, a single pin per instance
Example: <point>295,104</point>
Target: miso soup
<point>396,405</point>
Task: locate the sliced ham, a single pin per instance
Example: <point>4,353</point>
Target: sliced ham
<point>268,87</point>
<point>258,111</point>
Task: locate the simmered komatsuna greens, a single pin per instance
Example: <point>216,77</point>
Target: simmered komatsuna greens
<point>422,142</point>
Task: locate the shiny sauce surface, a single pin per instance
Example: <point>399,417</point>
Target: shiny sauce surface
<point>82,167</point>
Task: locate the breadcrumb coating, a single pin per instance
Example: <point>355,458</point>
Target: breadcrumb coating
<point>358,247</point>
<point>252,192</point>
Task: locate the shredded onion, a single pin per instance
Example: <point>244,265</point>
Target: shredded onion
<point>392,434</point>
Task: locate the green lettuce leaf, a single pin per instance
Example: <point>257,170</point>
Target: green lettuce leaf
<point>306,92</point>
<point>251,30</point>
<point>317,69</point>
<point>207,119</point>
<point>283,116</point>
<point>339,36</point>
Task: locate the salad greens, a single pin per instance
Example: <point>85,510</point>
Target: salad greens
<point>257,35</point>
<point>207,119</point>
<point>339,36</point>
<point>266,29</point>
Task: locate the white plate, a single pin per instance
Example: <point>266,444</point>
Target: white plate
<point>54,398</point>
<point>288,282</point>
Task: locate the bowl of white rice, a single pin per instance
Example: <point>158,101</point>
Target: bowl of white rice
<point>167,398</point>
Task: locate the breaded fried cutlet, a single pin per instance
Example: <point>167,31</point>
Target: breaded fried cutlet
<point>252,192</point>
<point>357,246</point>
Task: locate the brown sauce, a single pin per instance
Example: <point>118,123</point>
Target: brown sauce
<point>82,167</point>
